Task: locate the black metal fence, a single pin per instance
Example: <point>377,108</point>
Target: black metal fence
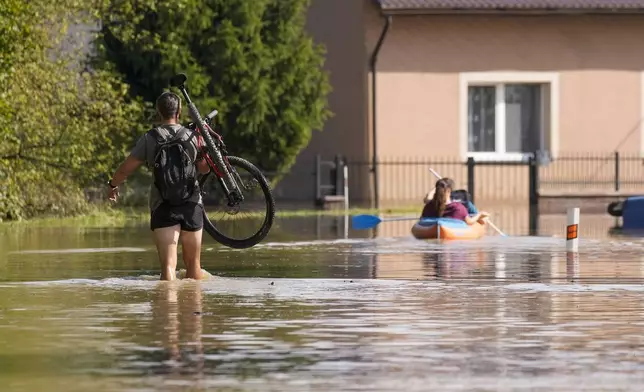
<point>613,171</point>
<point>531,180</point>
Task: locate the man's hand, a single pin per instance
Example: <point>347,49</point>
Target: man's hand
<point>202,166</point>
<point>113,194</point>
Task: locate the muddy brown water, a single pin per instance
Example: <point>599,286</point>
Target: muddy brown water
<point>311,310</point>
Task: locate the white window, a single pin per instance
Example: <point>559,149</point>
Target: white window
<point>508,116</point>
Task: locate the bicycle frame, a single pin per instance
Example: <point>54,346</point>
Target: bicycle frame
<point>218,163</point>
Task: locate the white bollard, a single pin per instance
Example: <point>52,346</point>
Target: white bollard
<point>346,226</point>
<point>572,230</point>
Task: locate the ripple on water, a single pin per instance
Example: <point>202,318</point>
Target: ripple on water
<point>443,332</point>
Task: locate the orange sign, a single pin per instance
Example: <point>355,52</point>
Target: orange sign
<point>571,232</point>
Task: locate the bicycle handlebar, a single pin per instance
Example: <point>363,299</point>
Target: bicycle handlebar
<point>211,115</point>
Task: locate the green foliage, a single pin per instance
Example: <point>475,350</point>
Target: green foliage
<point>252,60</point>
<point>62,128</point>
<point>12,33</point>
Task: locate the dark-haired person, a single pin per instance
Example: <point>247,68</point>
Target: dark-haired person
<point>441,206</point>
<point>460,195</point>
<point>169,223</point>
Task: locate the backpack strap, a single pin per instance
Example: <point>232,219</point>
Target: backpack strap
<point>162,139</point>
<point>156,133</point>
<point>180,133</point>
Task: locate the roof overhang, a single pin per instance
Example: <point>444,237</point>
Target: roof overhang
<point>505,7</point>
<point>456,11</point>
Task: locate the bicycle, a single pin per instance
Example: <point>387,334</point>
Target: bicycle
<point>227,179</point>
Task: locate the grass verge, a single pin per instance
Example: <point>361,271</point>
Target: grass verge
<point>122,217</point>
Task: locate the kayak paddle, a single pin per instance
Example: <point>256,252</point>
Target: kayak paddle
<point>489,222</point>
<point>361,222</point>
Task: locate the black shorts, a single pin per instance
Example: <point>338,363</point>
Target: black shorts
<point>189,216</point>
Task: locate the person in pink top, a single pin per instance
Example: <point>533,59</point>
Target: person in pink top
<point>441,207</point>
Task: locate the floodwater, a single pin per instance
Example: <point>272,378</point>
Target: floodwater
<point>315,308</point>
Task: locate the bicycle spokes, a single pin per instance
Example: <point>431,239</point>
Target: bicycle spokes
<point>242,219</point>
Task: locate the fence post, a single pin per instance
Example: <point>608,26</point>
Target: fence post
<point>616,171</point>
<point>318,177</point>
<point>534,195</point>
<point>337,175</point>
<point>470,177</point>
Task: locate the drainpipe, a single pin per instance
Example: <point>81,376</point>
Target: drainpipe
<point>374,60</point>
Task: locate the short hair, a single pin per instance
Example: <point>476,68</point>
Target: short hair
<point>168,105</point>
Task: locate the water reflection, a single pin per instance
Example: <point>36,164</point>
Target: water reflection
<point>177,323</point>
<point>572,266</point>
<point>468,263</point>
<point>454,265</point>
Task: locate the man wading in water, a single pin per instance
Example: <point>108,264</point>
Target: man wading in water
<point>173,153</point>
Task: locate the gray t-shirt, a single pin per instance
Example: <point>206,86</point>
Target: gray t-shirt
<point>145,150</point>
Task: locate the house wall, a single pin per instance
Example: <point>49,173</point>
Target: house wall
<point>339,25</point>
<point>598,61</point>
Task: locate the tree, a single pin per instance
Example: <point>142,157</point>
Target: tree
<point>12,37</point>
<point>63,127</point>
<point>252,60</point>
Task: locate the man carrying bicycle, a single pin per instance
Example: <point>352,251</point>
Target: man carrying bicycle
<point>173,153</point>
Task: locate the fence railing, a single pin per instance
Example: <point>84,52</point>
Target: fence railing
<point>593,172</point>
<point>408,178</point>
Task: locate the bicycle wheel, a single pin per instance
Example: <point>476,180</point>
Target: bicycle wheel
<point>245,225</point>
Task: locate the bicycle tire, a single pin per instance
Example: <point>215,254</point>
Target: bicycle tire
<point>253,240</point>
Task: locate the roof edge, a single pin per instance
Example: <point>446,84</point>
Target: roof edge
<point>474,11</point>
<point>431,10</point>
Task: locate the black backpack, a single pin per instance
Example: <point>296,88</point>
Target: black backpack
<point>461,195</point>
<point>174,170</point>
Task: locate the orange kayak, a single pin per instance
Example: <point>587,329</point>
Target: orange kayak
<point>446,229</point>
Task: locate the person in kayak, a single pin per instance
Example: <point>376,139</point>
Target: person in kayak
<point>459,195</point>
<point>462,196</point>
<point>441,205</point>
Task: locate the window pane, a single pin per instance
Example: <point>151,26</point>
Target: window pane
<point>523,118</point>
<point>481,118</point>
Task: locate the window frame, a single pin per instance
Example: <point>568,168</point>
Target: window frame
<point>499,80</point>
<point>641,114</point>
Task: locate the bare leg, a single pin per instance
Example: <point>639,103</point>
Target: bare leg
<point>166,239</point>
<point>191,249</point>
